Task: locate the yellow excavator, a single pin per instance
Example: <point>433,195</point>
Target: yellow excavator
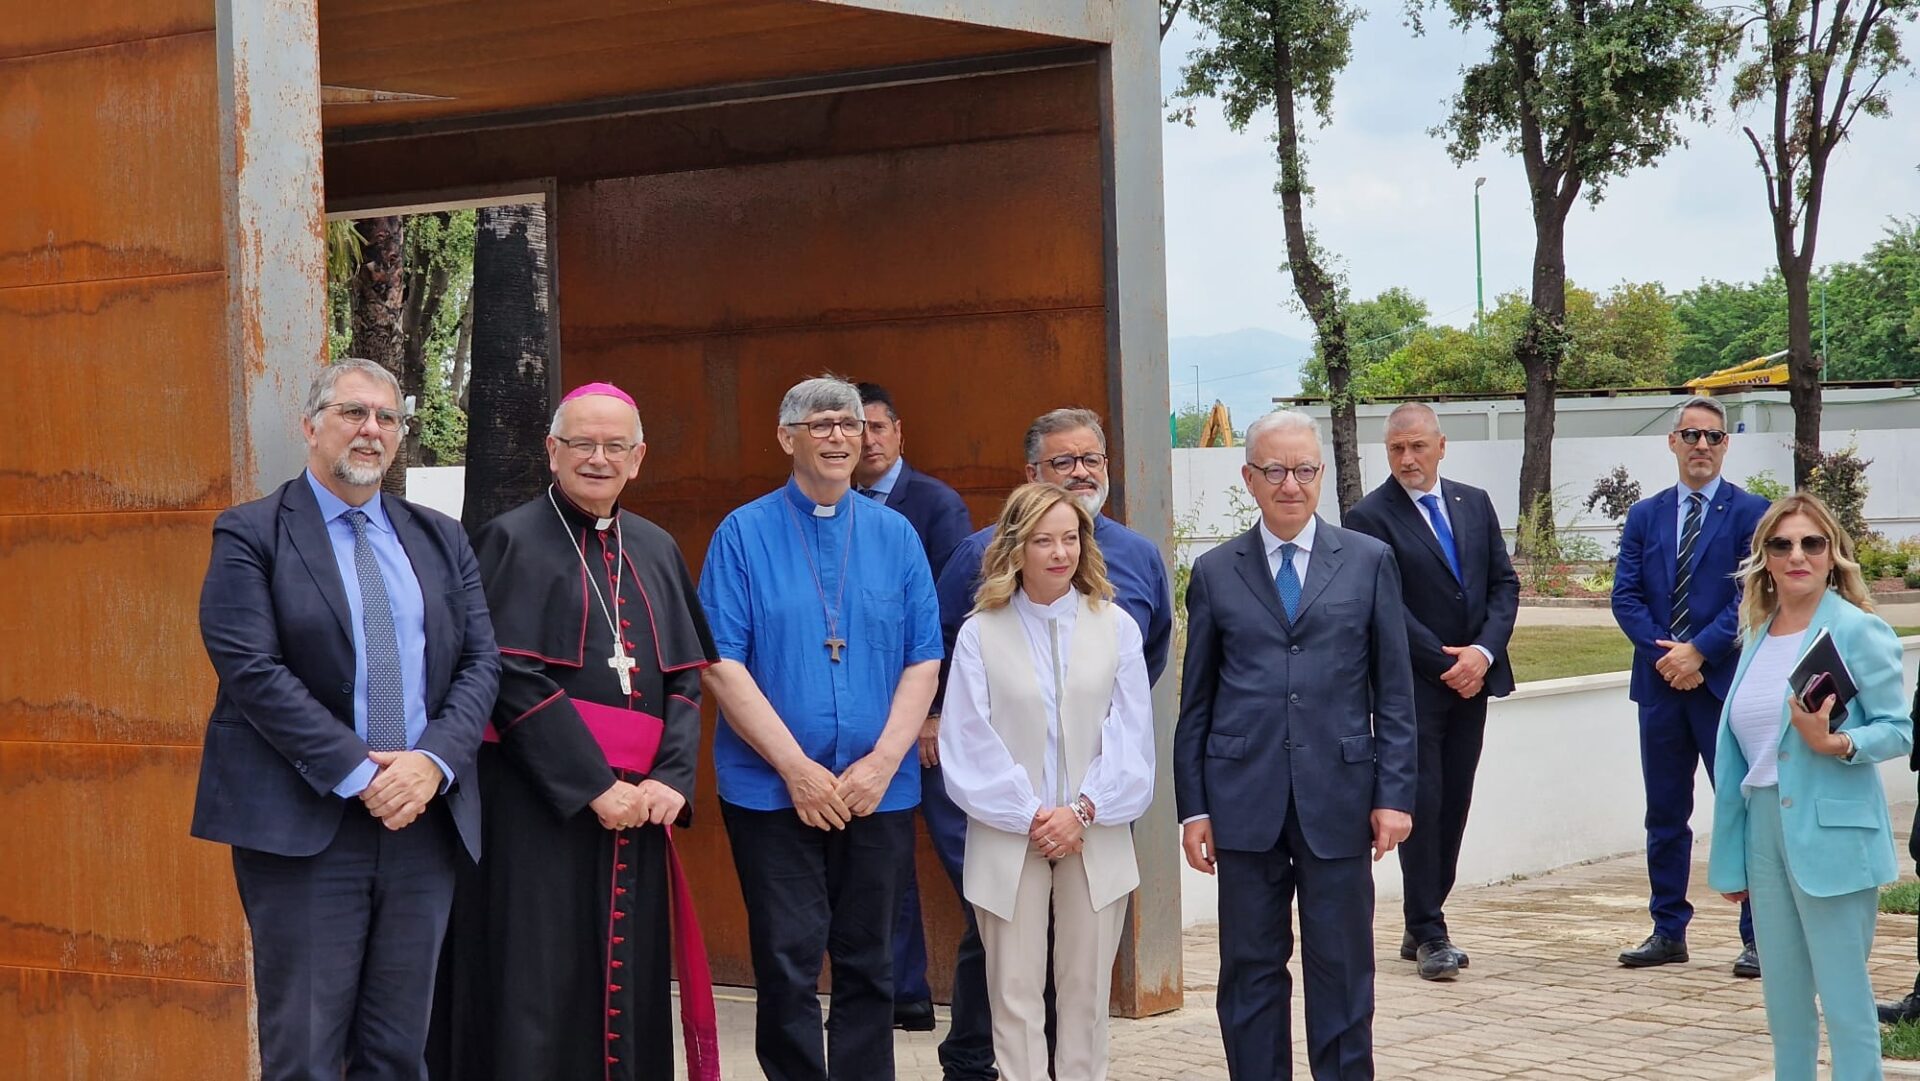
<point>1217,430</point>
<point>1758,372</point>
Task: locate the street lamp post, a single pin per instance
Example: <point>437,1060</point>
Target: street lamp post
<point>1479,277</point>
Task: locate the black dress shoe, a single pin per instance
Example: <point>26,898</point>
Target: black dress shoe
<point>913,1016</point>
<point>1658,949</point>
<point>1437,960</point>
<point>1907,1009</point>
<point>1411,952</point>
<point>1747,965</point>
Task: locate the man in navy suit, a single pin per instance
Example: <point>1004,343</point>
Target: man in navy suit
<point>357,667</point>
<point>940,518</point>
<point>1461,598</point>
<point>1295,754</point>
<point>1676,597</point>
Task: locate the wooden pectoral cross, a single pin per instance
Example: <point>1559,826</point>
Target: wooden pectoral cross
<point>622,664</point>
<point>834,646</point>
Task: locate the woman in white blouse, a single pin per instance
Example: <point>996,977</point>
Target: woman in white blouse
<point>1046,740</point>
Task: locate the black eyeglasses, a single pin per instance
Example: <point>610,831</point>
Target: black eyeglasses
<point>1064,463</point>
<point>356,414</point>
<point>821,429</point>
<point>1691,436</point>
<point>1813,544</point>
<point>1277,474</point>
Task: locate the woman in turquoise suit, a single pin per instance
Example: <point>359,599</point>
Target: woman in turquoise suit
<point>1799,820</point>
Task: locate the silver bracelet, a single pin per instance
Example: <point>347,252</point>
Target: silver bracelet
<point>1079,808</point>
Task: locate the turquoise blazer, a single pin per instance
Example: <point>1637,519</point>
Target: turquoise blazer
<point>1839,838</point>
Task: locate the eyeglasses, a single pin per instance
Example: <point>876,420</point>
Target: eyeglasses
<point>1277,474</point>
<point>824,428</point>
<point>1813,544</point>
<point>616,450</point>
<point>356,414</point>
<point>1691,436</point>
<point>1064,463</point>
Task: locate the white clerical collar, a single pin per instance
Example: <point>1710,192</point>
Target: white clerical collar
<point>1304,541</point>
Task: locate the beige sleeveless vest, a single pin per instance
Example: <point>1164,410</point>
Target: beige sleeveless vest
<point>1019,715</point>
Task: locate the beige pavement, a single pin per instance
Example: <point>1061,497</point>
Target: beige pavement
<point>1905,613</point>
<point>1544,998</point>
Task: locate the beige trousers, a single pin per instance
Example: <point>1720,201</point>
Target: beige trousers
<point>1084,944</point>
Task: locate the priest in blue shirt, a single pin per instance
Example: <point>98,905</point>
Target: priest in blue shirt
<point>824,617</point>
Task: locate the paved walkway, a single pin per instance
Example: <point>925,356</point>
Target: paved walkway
<point>1896,613</point>
<point>1544,998</point>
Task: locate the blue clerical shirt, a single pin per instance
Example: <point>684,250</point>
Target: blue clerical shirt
<point>409,623</point>
<point>772,573</point>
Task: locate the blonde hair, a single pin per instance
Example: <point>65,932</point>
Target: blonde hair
<point>1760,601</point>
<point>1000,566</point>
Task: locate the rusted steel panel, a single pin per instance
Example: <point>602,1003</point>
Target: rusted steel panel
<point>121,1028</point>
<point>110,163</point>
<point>1087,20</point>
<point>28,27</point>
<point>126,665</point>
<point>1006,226</point>
<point>149,347</point>
<point>133,896</point>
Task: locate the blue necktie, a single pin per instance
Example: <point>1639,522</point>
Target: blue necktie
<point>1445,532</point>
<point>386,710</point>
<point>1287,581</point>
<point>1681,622</point>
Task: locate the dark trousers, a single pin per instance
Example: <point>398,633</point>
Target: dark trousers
<point>1452,730</point>
<point>810,892</point>
<point>1256,942</point>
<point>345,947</point>
<point>966,1054</point>
<point>1677,734</point>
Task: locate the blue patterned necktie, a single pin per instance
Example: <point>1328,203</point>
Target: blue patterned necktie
<point>386,713</point>
<point>1287,580</point>
<point>1444,531</point>
<point>1681,624</point>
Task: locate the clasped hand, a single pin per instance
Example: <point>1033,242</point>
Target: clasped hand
<point>1057,833</point>
<point>405,783</point>
<point>625,805</point>
<point>1680,665</point>
<point>827,801</point>
<point>1469,671</point>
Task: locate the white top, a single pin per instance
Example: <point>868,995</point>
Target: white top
<point>1300,556</point>
<point>982,776</point>
<point>1755,711</point>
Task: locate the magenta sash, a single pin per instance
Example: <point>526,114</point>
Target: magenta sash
<point>630,739</point>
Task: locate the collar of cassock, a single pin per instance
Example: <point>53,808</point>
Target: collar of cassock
<point>577,517</point>
<point>804,503</point>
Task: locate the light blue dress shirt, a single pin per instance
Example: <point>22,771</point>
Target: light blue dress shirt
<point>883,487</point>
<point>1681,492</point>
<point>409,623</point>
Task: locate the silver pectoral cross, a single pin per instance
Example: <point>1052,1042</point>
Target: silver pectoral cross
<point>834,646</point>
<point>622,664</point>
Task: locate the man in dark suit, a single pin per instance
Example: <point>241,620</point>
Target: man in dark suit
<point>1676,597</point>
<point>1461,599</point>
<point>1294,754</point>
<point>357,667</point>
<point>940,518</point>
<point>1908,1008</point>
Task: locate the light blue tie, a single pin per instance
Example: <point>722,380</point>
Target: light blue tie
<point>1443,531</point>
<point>1287,581</point>
<point>386,709</point>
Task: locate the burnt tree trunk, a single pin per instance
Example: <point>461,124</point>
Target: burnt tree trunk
<point>379,305</point>
<point>508,384</point>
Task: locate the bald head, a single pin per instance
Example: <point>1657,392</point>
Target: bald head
<point>1415,446</point>
<point>1413,417</point>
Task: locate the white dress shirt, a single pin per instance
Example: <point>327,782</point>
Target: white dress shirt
<point>982,776</point>
<point>1302,553</point>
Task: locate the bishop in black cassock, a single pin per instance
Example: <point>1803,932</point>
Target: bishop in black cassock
<point>557,957</point>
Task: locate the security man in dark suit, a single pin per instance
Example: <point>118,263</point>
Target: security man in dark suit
<point>357,667</point>
<point>1293,756</point>
<point>1461,598</point>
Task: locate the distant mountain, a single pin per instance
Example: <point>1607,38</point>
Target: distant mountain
<point>1246,369</point>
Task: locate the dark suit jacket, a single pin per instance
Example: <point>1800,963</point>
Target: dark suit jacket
<point>1478,608</point>
<point>937,512</point>
<point>1319,711</point>
<point>274,617</point>
<point>1643,577</point>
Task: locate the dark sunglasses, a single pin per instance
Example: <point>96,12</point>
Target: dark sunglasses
<point>1691,436</point>
<point>1813,544</point>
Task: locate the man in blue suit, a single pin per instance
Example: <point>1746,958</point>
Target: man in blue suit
<point>1295,754</point>
<point>357,667</point>
<point>940,518</point>
<point>1675,596</point>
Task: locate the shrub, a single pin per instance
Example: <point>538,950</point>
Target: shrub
<point>1840,480</point>
<point>1615,494</point>
<point>1912,578</point>
<point>1765,485</point>
<point>1879,560</point>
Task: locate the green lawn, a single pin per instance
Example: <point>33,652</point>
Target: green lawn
<point>1900,1041</point>
<point>1557,652</point>
<point>1901,898</point>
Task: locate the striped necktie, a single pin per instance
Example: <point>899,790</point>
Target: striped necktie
<point>386,710</point>
<point>1682,622</point>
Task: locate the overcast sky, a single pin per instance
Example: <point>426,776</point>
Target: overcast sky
<point>1399,212</point>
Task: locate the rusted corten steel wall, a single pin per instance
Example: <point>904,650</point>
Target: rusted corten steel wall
<point>944,239</point>
<point>121,945</point>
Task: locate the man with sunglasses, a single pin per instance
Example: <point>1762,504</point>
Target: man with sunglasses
<point>357,666</point>
<point>1676,597</point>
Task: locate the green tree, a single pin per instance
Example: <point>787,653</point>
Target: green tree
<point>1626,338</point>
<point>1375,330</point>
<point>1582,91</point>
<point>1284,54</point>
<point>1723,324</point>
<point>1815,66</point>
<point>1873,309</point>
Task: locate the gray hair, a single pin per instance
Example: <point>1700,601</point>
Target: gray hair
<point>639,433</point>
<point>1409,414</point>
<point>320,391</point>
<point>1281,420</point>
<point>1068,419</point>
<point>1699,401</point>
<point>820,394</point>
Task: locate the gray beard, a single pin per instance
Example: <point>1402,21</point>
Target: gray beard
<point>360,476</point>
<point>1092,502</point>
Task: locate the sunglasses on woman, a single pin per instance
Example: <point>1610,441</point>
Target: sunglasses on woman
<point>1813,544</point>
